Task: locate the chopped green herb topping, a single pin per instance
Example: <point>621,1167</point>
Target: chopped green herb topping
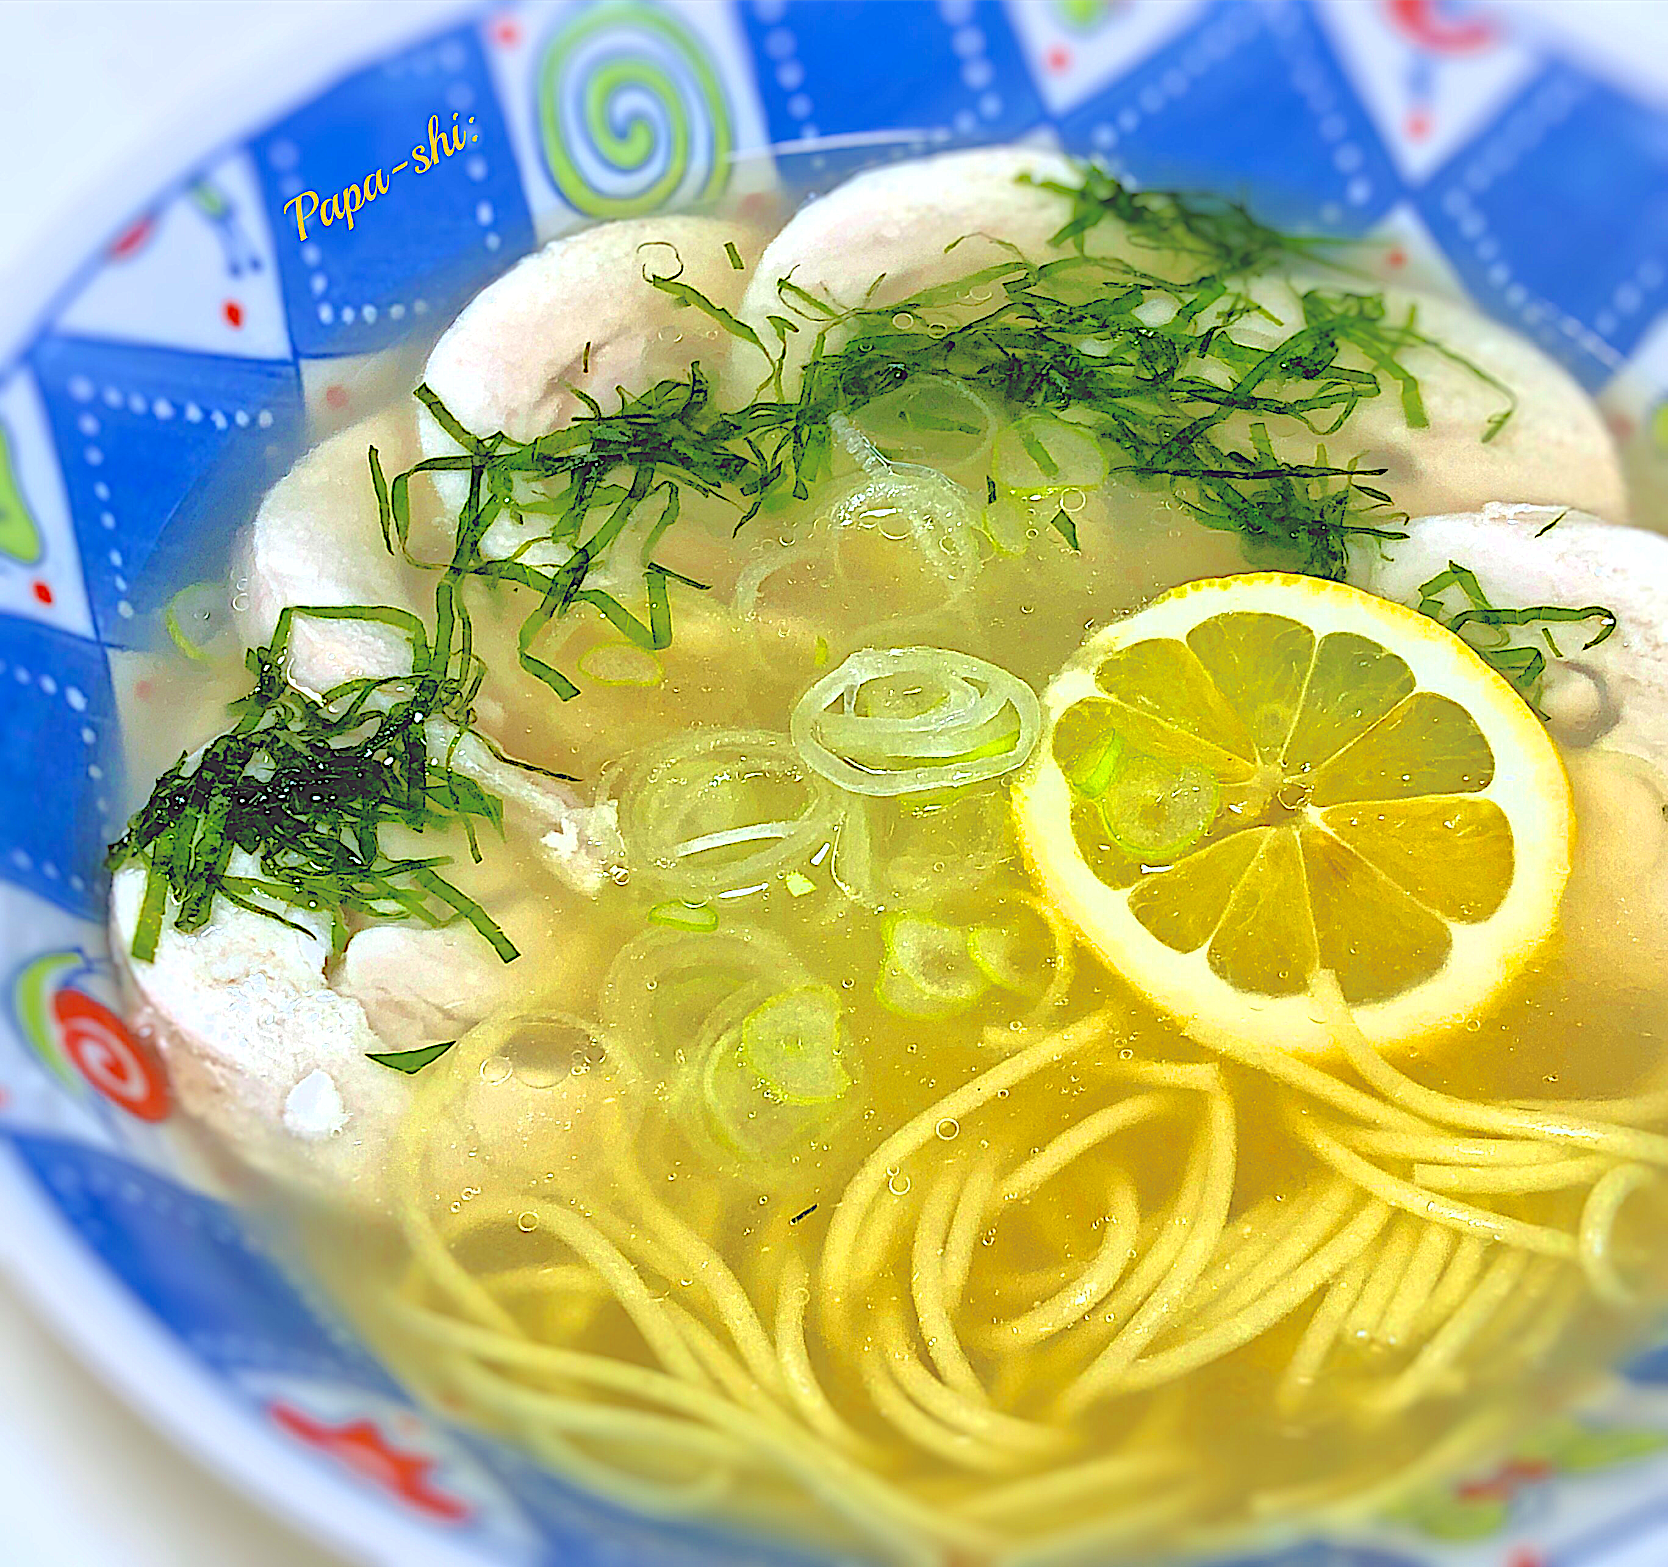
<point>410,1061</point>
<point>305,785</point>
<point>1487,630</point>
<point>1220,236</point>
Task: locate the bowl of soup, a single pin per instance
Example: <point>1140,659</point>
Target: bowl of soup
<point>880,784</point>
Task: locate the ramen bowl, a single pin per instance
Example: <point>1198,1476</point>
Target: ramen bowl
<point>250,298</point>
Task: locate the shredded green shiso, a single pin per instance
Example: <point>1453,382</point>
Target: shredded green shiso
<point>1148,364</point>
<point>306,785</point>
<point>1486,630</point>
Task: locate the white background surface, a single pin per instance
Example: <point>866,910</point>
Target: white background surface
<point>92,90</point>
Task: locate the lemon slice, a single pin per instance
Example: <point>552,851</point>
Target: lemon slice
<point>1259,777</point>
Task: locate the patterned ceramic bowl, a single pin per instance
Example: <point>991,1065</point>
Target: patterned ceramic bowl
<point>185,363</point>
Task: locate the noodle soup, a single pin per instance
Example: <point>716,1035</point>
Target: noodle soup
<point>892,899</point>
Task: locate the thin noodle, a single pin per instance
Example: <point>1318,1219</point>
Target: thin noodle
<point>1450,1341</point>
<point>1061,1486</point>
<point>1512,1180</point>
<point>1093,1284</point>
<point>1560,1127</point>
<point>722,1287</point>
<point>1151,1317</point>
<point>1078,1139</point>
<point>1261,1315</point>
<point>1323,1329</point>
<point>1384,1280</point>
<point>649,1315</point>
<point>1328,1205</point>
<point>865,1185</point>
<point>1598,1226</point>
<point>1430,1257</point>
<point>926,1285</point>
<point>965,1225</point>
<point>798,1376</point>
<point>917,1426</point>
<point>1429,1205</point>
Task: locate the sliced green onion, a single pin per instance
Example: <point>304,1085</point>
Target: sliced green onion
<point>907,501</point>
<point>1017,952</point>
<point>904,851</point>
<point>927,972</point>
<point>1012,521</point>
<point>678,915</point>
<point>1042,453</point>
<point>195,617</point>
<point>1087,747</point>
<point>777,1080</point>
<point>931,419</point>
<point>892,721</point>
<point>1024,946</point>
<point>670,992</point>
<point>1156,809</point>
<point>791,1044</point>
<point>722,812</point>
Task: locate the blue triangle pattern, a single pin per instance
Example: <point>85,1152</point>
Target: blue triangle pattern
<point>831,71</point>
<point>1556,219</point>
<point>434,238</point>
<point>193,1263</point>
<point>1185,116</point>
<point>164,454</point>
<point>56,709</point>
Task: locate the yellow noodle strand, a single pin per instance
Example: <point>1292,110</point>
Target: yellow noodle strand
<point>1062,1486</point>
<point>1512,1180</point>
<point>839,1245</point>
<point>1325,1325</point>
<point>926,1283</point>
<point>1202,1238</point>
<point>1328,1205</point>
<point>1093,1284</point>
<point>1450,1340</point>
<point>798,1375</point>
<point>1424,1204</point>
<point>1259,1316</point>
<point>965,1225</point>
<point>1387,1274</point>
<point>647,1314</point>
<point>1430,1256</point>
<point>1560,1127</point>
<point>1598,1226</point>
<point>1077,1140</point>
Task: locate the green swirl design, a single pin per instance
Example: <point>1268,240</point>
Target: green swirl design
<point>598,61</point>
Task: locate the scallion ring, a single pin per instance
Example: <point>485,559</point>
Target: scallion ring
<point>908,720</point>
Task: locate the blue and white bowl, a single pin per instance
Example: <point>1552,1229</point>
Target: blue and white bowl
<point>183,365</point>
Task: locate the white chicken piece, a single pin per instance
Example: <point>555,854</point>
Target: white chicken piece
<point>267,1043</point>
<point>317,539</point>
<point>246,1025</point>
<point>1554,450</point>
<point>882,236</point>
<point>1607,705</point>
<point>581,316</point>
